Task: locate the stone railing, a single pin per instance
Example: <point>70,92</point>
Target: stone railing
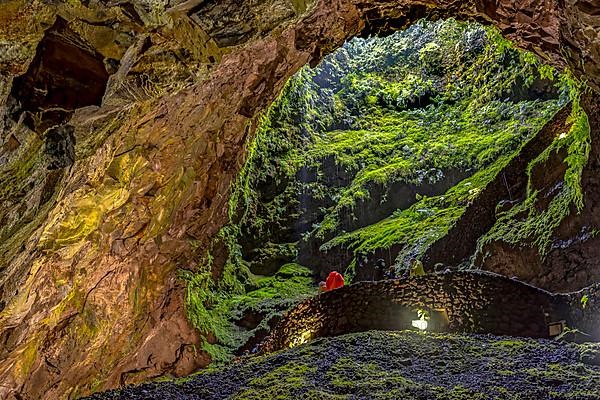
<point>474,302</point>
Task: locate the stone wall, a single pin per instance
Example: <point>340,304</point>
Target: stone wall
<point>473,302</point>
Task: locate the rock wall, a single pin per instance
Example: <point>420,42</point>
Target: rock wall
<point>510,183</point>
<point>89,295</point>
<point>473,302</point>
<point>461,241</point>
<point>584,307</point>
<point>573,258</point>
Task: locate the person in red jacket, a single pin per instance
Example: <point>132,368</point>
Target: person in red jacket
<point>335,280</point>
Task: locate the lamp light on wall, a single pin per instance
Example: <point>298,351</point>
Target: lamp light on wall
<point>556,328</point>
<point>301,339</point>
<point>421,323</point>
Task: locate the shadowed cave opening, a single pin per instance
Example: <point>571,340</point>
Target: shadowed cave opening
<point>65,74</point>
<point>413,146</point>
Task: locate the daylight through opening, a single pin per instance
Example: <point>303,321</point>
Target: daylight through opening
<point>414,153</point>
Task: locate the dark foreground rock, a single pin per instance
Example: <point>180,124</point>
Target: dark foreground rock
<point>395,365</point>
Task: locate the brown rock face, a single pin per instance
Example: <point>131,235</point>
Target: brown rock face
<point>64,75</point>
<point>89,252</point>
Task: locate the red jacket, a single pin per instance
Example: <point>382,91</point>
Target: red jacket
<point>335,280</point>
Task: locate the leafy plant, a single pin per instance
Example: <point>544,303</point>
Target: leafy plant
<point>584,300</point>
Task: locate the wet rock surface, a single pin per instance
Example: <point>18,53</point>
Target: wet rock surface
<point>395,365</point>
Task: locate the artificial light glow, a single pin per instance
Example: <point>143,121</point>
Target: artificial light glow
<point>420,324</point>
<point>303,338</point>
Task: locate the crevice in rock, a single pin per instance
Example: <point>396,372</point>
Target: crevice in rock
<point>65,74</point>
<point>60,146</point>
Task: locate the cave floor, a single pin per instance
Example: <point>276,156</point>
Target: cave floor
<point>397,365</point>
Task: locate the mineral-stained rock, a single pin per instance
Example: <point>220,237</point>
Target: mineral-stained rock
<point>89,292</point>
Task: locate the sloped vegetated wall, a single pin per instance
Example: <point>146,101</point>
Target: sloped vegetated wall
<point>396,135</point>
<point>89,260</point>
<point>377,135</point>
<point>476,302</point>
<point>548,236</point>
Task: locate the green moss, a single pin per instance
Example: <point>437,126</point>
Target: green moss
<point>347,375</point>
<point>407,365</point>
<point>291,282</point>
<point>293,270</point>
<point>555,374</point>
<point>408,109</point>
<point>14,176</point>
<point>527,224</point>
<point>509,346</point>
<point>279,384</point>
<point>417,146</point>
<point>214,307</point>
<point>29,355</point>
<point>419,226</point>
<point>468,126</point>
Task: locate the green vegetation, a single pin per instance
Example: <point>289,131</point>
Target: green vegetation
<point>378,118</point>
<point>420,225</point>
<point>528,223</point>
<point>584,301</point>
<point>216,307</point>
<point>411,365</point>
<point>279,384</point>
<point>478,130</point>
<point>420,146</point>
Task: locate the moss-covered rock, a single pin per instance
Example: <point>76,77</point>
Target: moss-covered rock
<point>395,365</point>
<point>240,319</point>
<point>380,149</point>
